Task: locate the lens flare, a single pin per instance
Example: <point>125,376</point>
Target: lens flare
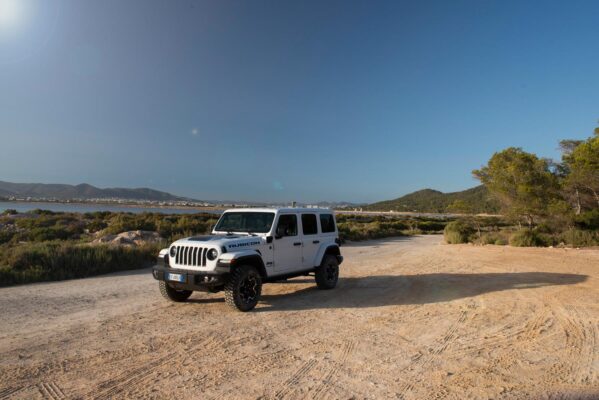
<point>10,13</point>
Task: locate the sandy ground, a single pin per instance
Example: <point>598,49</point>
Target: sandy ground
<point>410,319</point>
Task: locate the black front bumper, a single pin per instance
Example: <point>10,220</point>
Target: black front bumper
<point>193,280</point>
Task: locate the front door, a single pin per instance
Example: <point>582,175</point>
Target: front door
<point>287,245</point>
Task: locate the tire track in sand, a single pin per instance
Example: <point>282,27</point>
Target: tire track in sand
<point>51,391</point>
<point>7,392</point>
<point>581,337</point>
<point>323,387</point>
<point>131,378</point>
<point>528,332</point>
<point>420,362</point>
<point>289,385</point>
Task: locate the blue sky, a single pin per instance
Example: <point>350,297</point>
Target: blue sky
<point>278,100</point>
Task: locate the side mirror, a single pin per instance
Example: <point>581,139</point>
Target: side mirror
<point>269,239</point>
<point>280,232</point>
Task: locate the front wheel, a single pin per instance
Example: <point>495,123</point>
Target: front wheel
<point>243,289</point>
<point>173,294</point>
<point>327,273</point>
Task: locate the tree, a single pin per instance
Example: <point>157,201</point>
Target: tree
<point>522,182</point>
<point>572,194</point>
<point>582,167</point>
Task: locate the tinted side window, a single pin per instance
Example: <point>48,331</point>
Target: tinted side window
<point>309,224</point>
<point>327,223</point>
<point>287,225</point>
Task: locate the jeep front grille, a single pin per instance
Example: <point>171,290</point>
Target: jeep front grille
<point>191,255</point>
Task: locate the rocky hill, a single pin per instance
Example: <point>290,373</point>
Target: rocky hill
<point>434,201</point>
<point>82,191</point>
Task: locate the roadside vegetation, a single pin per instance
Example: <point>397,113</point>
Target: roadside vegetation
<point>50,261</point>
<point>367,227</point>
<point>544,202</point>
<point>42,245</point>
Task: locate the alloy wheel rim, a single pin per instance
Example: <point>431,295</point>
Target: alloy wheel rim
<point>248,289</point>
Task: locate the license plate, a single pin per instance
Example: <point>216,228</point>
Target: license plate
<point>176,277</point>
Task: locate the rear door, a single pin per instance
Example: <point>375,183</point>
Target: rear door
<point>287,244</point>
<point>328,228</point>
<point>310,239</point>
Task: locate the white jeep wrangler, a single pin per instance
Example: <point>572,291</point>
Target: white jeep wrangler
<point>248,247</point>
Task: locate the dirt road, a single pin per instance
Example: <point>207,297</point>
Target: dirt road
<point>410,319</point>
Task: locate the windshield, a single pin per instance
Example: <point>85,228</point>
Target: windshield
<point>258,222</point>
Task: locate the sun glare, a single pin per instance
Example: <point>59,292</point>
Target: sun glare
<point>10,13</point>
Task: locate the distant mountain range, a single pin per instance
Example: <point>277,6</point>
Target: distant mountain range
<point>82,191</point>
<point>433,201</point>
<point>427,200</point>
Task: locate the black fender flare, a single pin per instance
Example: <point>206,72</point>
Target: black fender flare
<point>333,250</point>
<point>253,260</point>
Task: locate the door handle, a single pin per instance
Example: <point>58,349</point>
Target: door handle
<point>316,241</point>
<point>297,243</point>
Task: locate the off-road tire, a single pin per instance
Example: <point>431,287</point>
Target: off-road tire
<point>243,289</point>
<point>327,273</point>
<point>173,294</point>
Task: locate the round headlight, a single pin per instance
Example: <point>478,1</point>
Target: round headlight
<point>212,254</point>
<point>173,251</point>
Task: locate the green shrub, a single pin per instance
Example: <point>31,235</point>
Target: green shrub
<point>361,230</point>
<point>129,222</point>
<point>498,238</point>
<point>6,236</point>
<point>35,222</point>
<point>50,227</point>
<point>530,238</point>
<point>489,238</point>
<point>580,238</point>
<point>39,211</point>
<point>189,223</point>
<point>9,211</point>
<point>47,234</point>
<point>165,228</point>
<point>458,232</point>
<point>546,227</point>
<point>495,237</point>
<point>46,221</point>
<point>168,226</point>
<point>431,226</point>
<point>97,215</point>
<point>588,220</point>
<point>96,225</point>
<point>366,227</point>
<point>56,261</point>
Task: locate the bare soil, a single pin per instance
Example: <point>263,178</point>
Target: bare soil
<point>411,319</point>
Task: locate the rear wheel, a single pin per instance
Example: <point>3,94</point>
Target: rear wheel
<point>244,288</point>
<point>173,294</point>
<point>328,273</point>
